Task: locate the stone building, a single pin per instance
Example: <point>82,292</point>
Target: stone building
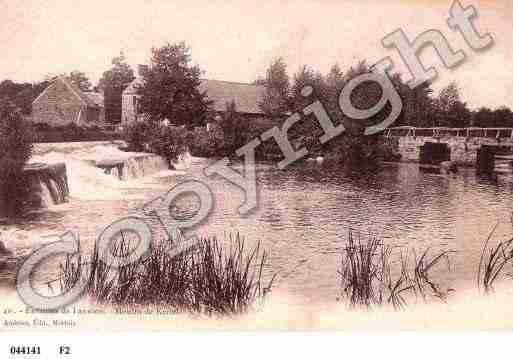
<point>62,103</point>
<point>245,96</point>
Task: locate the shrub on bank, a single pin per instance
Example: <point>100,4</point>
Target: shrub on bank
<point>16,139</point>
<point>360,152</point>
<point>166,141</point>
<point>137,136</point>
<point>204,144</point>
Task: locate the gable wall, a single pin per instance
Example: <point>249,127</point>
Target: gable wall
<point>57,106</point>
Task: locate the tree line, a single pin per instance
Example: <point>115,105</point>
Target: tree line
<point>171,72</point>
<point>421,108</point>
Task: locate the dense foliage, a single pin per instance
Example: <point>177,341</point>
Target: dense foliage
<point>170,90</point>
<point>166,141</point>
<point>113,82</point>
<point>22,94</point>
<point>277,88</point>
<point>350,149</point>
<point>15,150</point>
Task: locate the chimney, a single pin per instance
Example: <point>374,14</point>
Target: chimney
<point>141,69</point>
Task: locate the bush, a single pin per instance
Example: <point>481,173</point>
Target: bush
<point>137,136</point>
<point>16,139</point>
<point>205,144</point>
<point>360,152</point>
<point>166,141</point>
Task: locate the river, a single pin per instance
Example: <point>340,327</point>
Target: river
<point>303,217</point>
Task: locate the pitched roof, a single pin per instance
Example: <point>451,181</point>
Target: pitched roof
<point>85,98</point>
<point>246,96</point>
<point>91,99</point>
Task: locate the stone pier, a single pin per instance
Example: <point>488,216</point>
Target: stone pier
<point>464,144</point>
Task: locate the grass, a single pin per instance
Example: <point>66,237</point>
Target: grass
<point>207,278</point>
<point>493,262</point>
<point>374,274</point>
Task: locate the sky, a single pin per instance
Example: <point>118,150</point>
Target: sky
<point>237,40</point>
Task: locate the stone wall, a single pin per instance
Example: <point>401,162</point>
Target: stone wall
<point>463,149</point>
<point>57,106</point>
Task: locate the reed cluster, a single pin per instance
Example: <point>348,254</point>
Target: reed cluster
<point>373,273</point>
<point>493,263</point>
<point>207,278</point>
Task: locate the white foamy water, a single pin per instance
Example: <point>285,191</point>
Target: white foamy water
<point>96,199</point>
<point>88,182</point>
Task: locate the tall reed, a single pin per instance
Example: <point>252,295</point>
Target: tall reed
<point>372,273</point>
<point>207,278</point>
<point>493,262</point>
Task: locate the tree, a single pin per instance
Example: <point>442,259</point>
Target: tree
<point>80,80</point>
<point>503,117</point>
<point>21,94</point>
<point>450,110</point>
<point>418,105</point>
<point>308,130</point>
<point>449,97</point>
<point>334,84</point>
<point>113,83</point>
<point>277,88</point>
<point>306,76</point>
<point>170,89</point>
<point>233,129</point>
<point>486,117</point>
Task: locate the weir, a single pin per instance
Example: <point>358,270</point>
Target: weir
<point>136,166</point>
<point>48,184</point>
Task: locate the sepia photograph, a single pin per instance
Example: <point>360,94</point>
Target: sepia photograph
<point>284,165</point>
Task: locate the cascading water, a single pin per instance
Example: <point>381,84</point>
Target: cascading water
<point>48,184</point>
<point>94,172</point>
<point>141,165</point>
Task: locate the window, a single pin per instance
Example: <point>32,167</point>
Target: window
<point>134,100</point>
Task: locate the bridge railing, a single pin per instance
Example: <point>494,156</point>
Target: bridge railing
<point>488,132</point>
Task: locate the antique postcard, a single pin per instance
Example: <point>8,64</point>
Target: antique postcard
<point>235,165</point>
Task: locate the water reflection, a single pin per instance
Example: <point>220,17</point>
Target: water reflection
<point>305,213</point>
